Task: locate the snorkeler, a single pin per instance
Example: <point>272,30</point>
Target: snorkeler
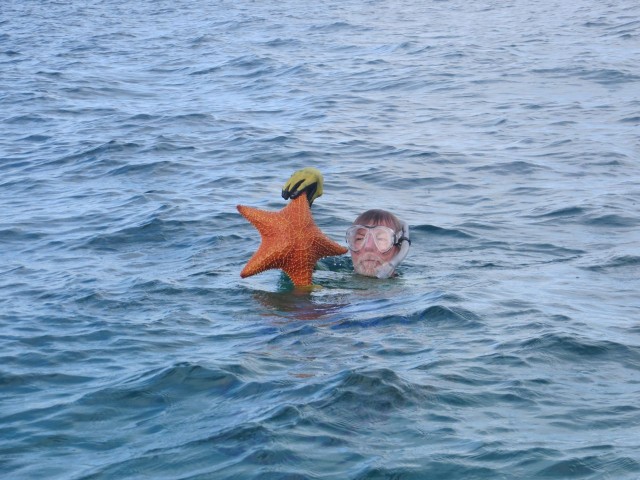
<point>377,239</point>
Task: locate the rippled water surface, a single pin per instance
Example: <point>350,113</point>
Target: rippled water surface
<point>505,133</point>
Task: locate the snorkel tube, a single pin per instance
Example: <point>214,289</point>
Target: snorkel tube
<point>386,269</point>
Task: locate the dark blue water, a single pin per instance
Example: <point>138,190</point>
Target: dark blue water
<point>507,134</point>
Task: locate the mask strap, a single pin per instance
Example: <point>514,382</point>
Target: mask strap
<point>386,269</point>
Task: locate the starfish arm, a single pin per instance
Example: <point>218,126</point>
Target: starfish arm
<point>268,256</point>
<point>298,216</point>
<point>261,219</point>
<point>300,277</point>
<point>299,264</point>
<point>328,248</point>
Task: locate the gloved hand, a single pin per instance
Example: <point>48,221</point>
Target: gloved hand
<point>308,180</point>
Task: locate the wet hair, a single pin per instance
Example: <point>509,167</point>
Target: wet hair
<point>379,217</point>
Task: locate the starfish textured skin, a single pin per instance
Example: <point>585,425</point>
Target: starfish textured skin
<point>291,241</point>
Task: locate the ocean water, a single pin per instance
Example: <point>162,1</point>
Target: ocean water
<point>507,134</point>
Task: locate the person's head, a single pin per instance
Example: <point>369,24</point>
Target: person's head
<point>378,242</point>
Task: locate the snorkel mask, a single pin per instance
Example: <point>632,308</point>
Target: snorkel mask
<point>384,239</point>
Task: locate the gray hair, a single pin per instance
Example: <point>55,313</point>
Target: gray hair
<point>379,217</point>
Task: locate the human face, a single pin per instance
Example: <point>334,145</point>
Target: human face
<point>368,259</point>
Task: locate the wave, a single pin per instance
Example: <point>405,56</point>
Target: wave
<point>151,230</point>
<point>244,66</point>
<point>590,466</point>
<point>634,120</point>
<point>518,167</point>
<point>604,76</point>
<point>563,212</point>
<point>158,167</point>
<point>435,314</point>
<point>615,262</point>
<point>612,220</point>
<point>441,231</point>
<point>19,236</point>
<point>575,348</point>
<point>95,154</point>
<point>336,27</point>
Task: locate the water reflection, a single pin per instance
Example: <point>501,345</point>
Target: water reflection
<point>297,304</point>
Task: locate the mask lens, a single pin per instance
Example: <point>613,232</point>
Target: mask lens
<point>383,237</point>
<point>357,237</point>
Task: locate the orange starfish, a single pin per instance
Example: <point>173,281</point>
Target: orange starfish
<point>291,241</point>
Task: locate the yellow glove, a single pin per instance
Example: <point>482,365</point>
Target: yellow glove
<point>308,180</point>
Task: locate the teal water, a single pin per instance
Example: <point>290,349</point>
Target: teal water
<point>504,133</point>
